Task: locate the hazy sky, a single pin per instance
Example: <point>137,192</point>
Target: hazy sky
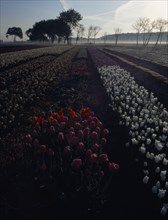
<point>108,14</point>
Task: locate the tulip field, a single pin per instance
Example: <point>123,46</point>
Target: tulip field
<point>83,135</point>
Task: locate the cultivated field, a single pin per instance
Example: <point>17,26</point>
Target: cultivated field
<point>84,132</point>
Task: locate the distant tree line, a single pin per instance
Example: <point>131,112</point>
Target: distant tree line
<point>52,29</point>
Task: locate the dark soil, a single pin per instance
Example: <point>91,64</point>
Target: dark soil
<point>128,197</point>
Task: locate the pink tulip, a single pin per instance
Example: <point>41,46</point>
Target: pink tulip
<point>28,138</point>
<point>88,153</point>
<point>42,149</point>
<point>94,135</point>
<point>67,150</point>
<point>52,130</point>
<point>80,134</point>
<point>86,131</point>
<point>105,132</point>
<point>103,141</point>
<point>43,167</point>
<point>80,146</point>
<point>76,163</point>
<point>95,147</point>
<point>36,142</point>
<point>103,158</point>
<point>61,136</point>
<point>113,167</point>
<point>54,122</point>
<point>93,157</point>
<point>50,152</point>
<point>77,126</point>
<point>62,125</point>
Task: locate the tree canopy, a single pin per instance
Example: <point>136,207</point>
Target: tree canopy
<point>52,29</point>
<point>71,17</point>
<point>15,32</point>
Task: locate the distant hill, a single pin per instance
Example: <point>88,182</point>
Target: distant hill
<point>133,36</point>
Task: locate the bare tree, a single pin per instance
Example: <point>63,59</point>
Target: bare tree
<point>138,27</point>
<point>105,37</point>
<point>80,31</point>
<point>90,32</point>
<point>117,31</point>
<point>160,25</point>
<point>96,30</point>
<point>150,28</point>
<point>145,26</point>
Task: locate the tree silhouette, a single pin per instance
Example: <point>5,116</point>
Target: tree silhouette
<point>14,32</point>
<point>71,17</point>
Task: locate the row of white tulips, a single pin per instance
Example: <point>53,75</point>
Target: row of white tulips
<point>147,122</point>
<point>12,58</point>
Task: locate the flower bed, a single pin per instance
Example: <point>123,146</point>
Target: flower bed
<point>146,120</point>
<point>66,149</point>
<point>13,58</point>
<point>24,92</point>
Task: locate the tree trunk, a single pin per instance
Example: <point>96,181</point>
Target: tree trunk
<point>157,39</point>
<point>137,38</point>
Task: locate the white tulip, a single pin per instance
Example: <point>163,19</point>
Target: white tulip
<point>142,150</point>
<point>163,175</point>
<point>161,193</point>
<point>157,169</point>
<point>163,211</point>
<point>157,158</point>
<point>154,189</point>
<point>148,141</point>
<point>165,161</point>
<point>158,184</point>
<point>145,179</point>
<point>145,164</point>
<point>166,185</point>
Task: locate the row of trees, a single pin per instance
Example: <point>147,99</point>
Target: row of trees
<point>146,26</point>
<point>61,29</point>
<point>50,30</point>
